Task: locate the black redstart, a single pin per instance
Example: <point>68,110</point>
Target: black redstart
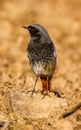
<point>42,56</point>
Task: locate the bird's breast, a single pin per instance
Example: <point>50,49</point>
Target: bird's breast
<point>42,69</point>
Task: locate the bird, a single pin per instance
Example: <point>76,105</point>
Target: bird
<point>42,56</point>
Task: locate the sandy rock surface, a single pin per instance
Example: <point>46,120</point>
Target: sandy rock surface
<point>35,107</point>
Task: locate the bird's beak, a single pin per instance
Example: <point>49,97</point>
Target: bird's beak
<point>26,27</point>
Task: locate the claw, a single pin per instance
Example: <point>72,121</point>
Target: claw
<point>32,92</point>
<point>46,94</point>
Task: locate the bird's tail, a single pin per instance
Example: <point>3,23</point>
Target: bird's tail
<point>46,84</point>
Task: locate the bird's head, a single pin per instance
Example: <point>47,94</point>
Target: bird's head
<point>36,31</point>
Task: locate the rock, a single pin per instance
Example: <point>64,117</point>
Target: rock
<point>20,126</point>
<point>35,107</point>
<point>64,125</point>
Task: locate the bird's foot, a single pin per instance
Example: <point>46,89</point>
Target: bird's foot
<point>46,94</point>
<point>32,92</point>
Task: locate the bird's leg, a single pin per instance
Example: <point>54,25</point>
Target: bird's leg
<point>47,88</point>
<point>33,91</point>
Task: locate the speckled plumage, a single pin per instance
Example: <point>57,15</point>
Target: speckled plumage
<point>42,54</point>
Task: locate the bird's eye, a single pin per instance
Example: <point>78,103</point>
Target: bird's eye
<point>36,30</point>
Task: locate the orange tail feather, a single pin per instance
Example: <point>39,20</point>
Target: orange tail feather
<point>46,84</point>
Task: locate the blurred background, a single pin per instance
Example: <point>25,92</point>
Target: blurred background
<point>62,19</point>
